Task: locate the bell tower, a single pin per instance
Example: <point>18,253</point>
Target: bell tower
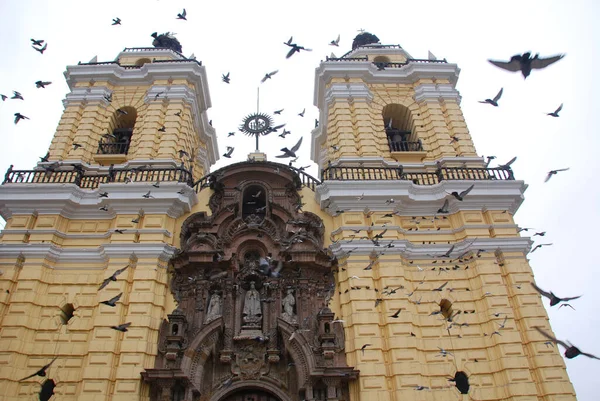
<point>431,286</point>
<point>95,222</point>
<point>146,107</point>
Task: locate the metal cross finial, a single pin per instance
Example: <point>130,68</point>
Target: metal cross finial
<point>361,30</point>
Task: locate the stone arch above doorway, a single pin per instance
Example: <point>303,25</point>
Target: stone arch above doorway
<point>251,391</point>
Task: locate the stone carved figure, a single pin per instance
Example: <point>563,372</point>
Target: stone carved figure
<point>252,309</point>
<point>215,307</point>
<point>288,306</point>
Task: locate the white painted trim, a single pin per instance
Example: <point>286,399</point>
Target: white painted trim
<point>420,200</point>
<point>430,233</point>
<point>70,201</point>
<point>101,254</point>
<point>151,53</point>
<point>90,94</point>
<point>365,70</point>
<point>357,91</point>
<point>435,92</point>
<point>372,49</point>
<point>105,235</point>
<point>412,251</point>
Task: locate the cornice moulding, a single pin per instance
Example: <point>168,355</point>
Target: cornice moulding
<point>365,70</point>
<point>435,92</point>
<point>100,255</point>
<point>107,234</point>
<point>373,49</point>
<point>70,201</point>
<point>419,200</point>
<point>412,251</point>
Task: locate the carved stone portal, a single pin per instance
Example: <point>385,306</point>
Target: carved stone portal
<point>252,296</point>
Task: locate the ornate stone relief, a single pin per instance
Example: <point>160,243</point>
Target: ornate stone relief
<point>252,288</point>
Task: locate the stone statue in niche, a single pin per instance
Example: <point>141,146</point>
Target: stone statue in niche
<point>288,307</point>
<point>252,309</point>
<point>215,307</point>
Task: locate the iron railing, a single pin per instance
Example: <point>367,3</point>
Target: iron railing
<point>405,146</point>
<point>339,173</point>
<point>365,58</point>
<point>385,64</point>
<point>302,178</point>
<point>115,148</point>
<point>92,179</point>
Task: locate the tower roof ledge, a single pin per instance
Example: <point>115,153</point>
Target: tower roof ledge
<point>151,52</point>
<point>373,50</point>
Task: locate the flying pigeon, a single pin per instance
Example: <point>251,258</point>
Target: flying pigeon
<point>571,351</point>
<point>42,84</point>
<point>554,300</point>
<point>229,152</point>
<point>335,42</point>
<point>494,101</point>
<point>41,49</point>
<point>290,152</point>
<point>268,75</point>
<point>525,63</point>
<point>555,112</point>
<point>41,372</point>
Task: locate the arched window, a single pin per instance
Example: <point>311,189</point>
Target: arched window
<point>142,61</point>
<point>381,61</point>
<point>446,309</point>
<point>254,201</point>
<point>116,141</point>
<point>398,123</point>
<point>66,313</point>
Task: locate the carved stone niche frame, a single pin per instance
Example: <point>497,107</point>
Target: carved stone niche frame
<point>224,253</point>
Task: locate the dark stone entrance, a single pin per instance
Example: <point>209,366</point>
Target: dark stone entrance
<point>250,395</point>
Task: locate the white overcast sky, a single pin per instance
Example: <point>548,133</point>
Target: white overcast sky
<point>246,38</point>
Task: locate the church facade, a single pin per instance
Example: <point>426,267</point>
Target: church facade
<point>137,273</point>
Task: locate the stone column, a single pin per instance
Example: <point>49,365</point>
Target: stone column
<point>332,388</point>
<point>308,392</point>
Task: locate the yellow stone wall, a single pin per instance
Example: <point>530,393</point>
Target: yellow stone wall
<point>516,365</point>
<point>357,128</point>
<point>93,360</point>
